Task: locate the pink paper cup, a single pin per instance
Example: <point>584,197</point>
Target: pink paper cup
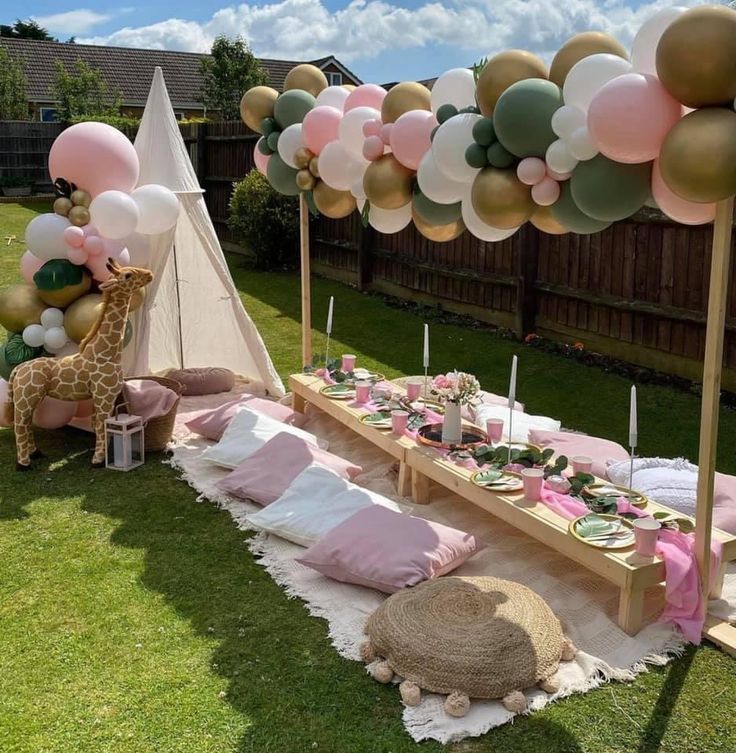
<point>399,421</point>
<point>646,533</point>
<point>533,479</point>
<point>582,464</point>
<point>414,389</point>
<point>494,429</point>
<point>363,391</point>
<point>348,363</point>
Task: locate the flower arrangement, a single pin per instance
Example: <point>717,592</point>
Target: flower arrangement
<point>456,387</point>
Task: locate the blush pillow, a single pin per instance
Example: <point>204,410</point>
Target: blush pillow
<point>211,424</point>
<point>603,451</point>
<point>249,431</point>
<point>269,471</point>
<point>203,381</point>
<point>382,549</point>
<point>522,423</point>
<point>316,502</point>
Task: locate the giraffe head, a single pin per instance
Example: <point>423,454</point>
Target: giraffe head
<point>124,281</point>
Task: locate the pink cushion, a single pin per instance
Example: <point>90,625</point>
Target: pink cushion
<point>148,399</point>
<point>266,474</point>
<point>211,424</point>
<point>566,443</point>
<point>724,504</point>
<point>382,549</point>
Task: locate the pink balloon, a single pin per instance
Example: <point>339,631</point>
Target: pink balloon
<point>261,159</point>
<point>365,95</point>
<point>53,414</point>
<point>676,208</point>
<point>85,408</point>
<point>372,128</point>
<point>97,265</point>
<point>373,148</point>
<point>74,236</point>
<point>95,157</point>
<point>546,192</point>
<point>531,170</point>
<point>386,129</point>
<point>77,256</point>
<point>320,126</point>
<point>94,245</point>
<point>410,137</point>
<point>90,230</point>
<point>630,116</point>
<point>559,177</point>
<point>29,265</point>
<point>3,402</point>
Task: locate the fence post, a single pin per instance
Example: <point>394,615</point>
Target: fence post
<point>366,240</point>
<point>527,256</point>
<point>201,153</point>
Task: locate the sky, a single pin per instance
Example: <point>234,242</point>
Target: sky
<point>380,40</point>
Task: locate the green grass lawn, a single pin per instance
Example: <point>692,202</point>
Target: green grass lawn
<point>134,619</point>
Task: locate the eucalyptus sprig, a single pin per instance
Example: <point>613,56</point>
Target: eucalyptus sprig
<point>498,456</point>
<point>478,68</point>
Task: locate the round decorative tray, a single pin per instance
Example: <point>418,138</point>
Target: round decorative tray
<point>498,481</point>
<point>431,435</point>
<point>602,541</point>
<point>339,391</point>
<point>609,490</point>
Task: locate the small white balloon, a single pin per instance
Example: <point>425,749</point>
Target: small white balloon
<point>158,209</point>
<point>454,87</point>
<point>33,335</point>
<point>332,96</point>
<point>581,146</point>
<point>389,220</point>
<point>644,47</point>
<point>290,141</point>
<point>52,318</point>
<point>337,166</point>
<point>587,77</point>
<point>480,229</point>
<point>115,214</point>
<point>44,236</point>
<point>451,140</point>
<point>436,186</point>
<point>55,339</point>
<point>350,132</point>
<point>566,120</point>
<point>559,159</point>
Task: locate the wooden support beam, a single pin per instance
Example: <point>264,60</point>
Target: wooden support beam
<point>306,281</point>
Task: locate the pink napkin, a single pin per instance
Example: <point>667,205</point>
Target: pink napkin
<point>148,399</point>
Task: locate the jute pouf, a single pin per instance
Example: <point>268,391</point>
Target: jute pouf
<point>467,638</point>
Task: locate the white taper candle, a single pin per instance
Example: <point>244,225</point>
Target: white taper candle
<point>512,383</point>
<point>425,358</point>
<point>329,315</point>
<point>633,429</point>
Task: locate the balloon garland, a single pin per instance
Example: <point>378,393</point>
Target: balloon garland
<point>571,148</point>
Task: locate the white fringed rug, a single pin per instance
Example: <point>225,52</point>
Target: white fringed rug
<point>585,604</point>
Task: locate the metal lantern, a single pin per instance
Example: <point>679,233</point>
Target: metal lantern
<point>123,441</point>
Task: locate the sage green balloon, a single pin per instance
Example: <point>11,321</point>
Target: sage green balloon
<point>445,112</point>
<point>292,106</point>
<point>433,213</point>
<point>475,156</point>
<point>523,116</point>
<point>282,177</point>
<point>273,141</point>
<point>608,190</point>
<point>500,157</point>
<point>568,214</point>
<point>483,132</point>
<point>268,126</point>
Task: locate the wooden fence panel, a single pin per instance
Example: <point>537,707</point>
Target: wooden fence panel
<point>24,149</point>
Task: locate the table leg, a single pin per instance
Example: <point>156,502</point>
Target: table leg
<point>717,588</point>
<point>419,487</point>
<point>631,610</point>
<point>298,403</point>
<point>404,483</point>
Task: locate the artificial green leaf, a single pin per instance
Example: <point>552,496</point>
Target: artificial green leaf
<point>57,274</point>
<point>16,351</point>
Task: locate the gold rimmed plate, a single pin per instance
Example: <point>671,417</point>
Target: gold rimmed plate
<point>339,391</point>
<point>612,490</point>
<point>603,531</point>
<point>423,402</point>
<point>365,376</point>
<point>498,481</point>
<point>517,445</point>
<point>431,435</point>
<point>379,420</point>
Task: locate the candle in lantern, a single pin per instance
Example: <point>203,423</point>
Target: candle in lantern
<point>329,315</point>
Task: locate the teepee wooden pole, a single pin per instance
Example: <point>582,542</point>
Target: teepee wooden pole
<point>712,368</point>
<point>306,281</point>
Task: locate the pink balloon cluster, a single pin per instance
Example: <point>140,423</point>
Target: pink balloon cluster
<point>409,138</point>
<point>535,172</point>
<point>84,242</point>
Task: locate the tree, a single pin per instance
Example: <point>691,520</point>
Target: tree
<point>83,93</point>
<point>29,29</point>
<point>13,100</point>
<point>228,73</point>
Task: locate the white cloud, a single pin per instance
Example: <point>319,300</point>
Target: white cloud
<point>73,21</point>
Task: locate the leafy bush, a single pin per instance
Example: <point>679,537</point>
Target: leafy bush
<point>128,125</point>
<point>265,222</point>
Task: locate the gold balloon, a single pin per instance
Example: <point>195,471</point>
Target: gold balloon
<point>403,97</point>
<point>62,206</point>
<point>80,317</point>
<point>581,46</point>
<point>80,198</point>
<point>305,181</point>
<point>696,57</point>
<point>136,300</point>
<point>19,307</point>
<point>314,166</point>
<point>387,183</point>
<point>307,77</point>
<point>500,199</point>
<point>349,87</point>
<point>332,203</point>
<point>303,157</point>
<point>79,216</point>
<point>501,71</point>
<point>63,297</point>
<point>257,103</point>
<point>543,220</point>
<point>698,156</point>
<point>438,233</point>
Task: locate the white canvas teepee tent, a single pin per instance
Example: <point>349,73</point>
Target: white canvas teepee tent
<point>192,315</point>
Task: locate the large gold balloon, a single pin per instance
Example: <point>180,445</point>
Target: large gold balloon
<point>80,198</point>
<point>136,300</point>
<point>62,206</point>
<point>581,46</point>
<point>387,183</point>
<point>80,317</point>
<point>696,57</point>
<point>79,216</point>
<point>63,297</point>
<point>501,71</point>
<point>333,203</point>
<point>305,181</point>
<point>543,220</point>
<point>500,199</point>
<point>698,157</point>
<point>349,87</point>
<point>438,233</point>
<point>403,97</point>
<point>306,77</point>
<point>257,103</point>
<point>19,307</point>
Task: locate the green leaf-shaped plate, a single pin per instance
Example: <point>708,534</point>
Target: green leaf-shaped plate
<point>338,391</point>
<point>498,481</point>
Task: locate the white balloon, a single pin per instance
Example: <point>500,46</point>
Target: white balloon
<point>559,158</point>
<point>350,133</point>
<point>356,188</point>
<point>566,120</point>
<point>454,87</point>
<point>332,96</point>
<point>158,208</point>
<point>435,185</point>
<point>33,335</point>
<point>451,140</point>
<point>581,146</point>
<point>335,164</point>
<point>45,236</point>
<point>55,339</point>
<point>70,349</point>
<point>644,47</point>
<point>478,228</point>
<point>52,318</point>
<point>356,171</point>
<point>588,75</point>
<point>114,213</point>
<point>289,141</point>
<point>389,220</point>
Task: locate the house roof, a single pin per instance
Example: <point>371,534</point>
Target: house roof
<point>130,70</point>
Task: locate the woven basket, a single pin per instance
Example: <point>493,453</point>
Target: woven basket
<point>159,430</point>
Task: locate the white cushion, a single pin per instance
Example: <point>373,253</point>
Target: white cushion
<point>317,501</point>
<point>247,432</point>
<point>521,425</point>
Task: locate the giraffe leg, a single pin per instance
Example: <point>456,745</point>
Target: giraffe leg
<point>24,443</point>
<point>103,408</point>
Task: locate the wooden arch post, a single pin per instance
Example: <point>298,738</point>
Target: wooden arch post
<point>306,281</point>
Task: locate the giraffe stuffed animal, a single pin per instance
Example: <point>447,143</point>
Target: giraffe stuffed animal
<point>95,372</point>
